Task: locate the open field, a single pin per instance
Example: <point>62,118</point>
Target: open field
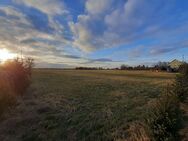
<point>82,105</point>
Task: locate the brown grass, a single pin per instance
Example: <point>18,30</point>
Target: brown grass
<point>138,132</point>
<point>82,105</point>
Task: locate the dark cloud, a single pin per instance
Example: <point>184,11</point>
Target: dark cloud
<point>168,48</point>
<point>28,41</point>
<point>99,60</point>
<point>102,60</point>
<point>160,51</point>
<point>72,57</point>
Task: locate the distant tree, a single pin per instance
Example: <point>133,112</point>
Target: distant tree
<point>123,67</point>
<point>161,66</point>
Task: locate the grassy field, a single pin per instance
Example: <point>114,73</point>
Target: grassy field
<point>82,105</point>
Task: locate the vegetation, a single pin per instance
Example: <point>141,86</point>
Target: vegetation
<point>139,67</point>
<point>83,104</point>
<point>91,105</point>
<point>162,122</point>
<point>165,117</point>
<point>89,68</point>
<point>162,66</point>
<point>7,97</point>
<point>181,83</point>
<point>15,79</point>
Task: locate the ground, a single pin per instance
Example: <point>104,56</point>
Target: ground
<point>82,105</point>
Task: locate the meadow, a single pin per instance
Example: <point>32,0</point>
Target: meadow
<point>82,104</point>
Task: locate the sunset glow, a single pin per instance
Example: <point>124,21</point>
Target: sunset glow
<point>6,55</point>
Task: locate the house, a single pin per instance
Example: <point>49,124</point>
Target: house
<point>174,65</point>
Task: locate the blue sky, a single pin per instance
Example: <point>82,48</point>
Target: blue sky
<point>103,33</point>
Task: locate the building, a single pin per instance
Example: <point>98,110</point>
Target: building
<point>175,64</point>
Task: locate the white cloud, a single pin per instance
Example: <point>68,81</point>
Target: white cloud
<point>16,27</point>
<point>109,24</point>
<point>96,7</point>
<point>10,11</point>
<point>133,15</point>
<point>14,13</point>
<point>82,33</point>
<point>50,7</point>
<point>45,48</point>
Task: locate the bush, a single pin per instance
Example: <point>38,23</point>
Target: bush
<point>184,69</point>
<point>181,83</point>
<point>7,96</point>
<point>164,119</point>
<point>19,73</point>
<point>7,99</point>
<point>15,78</point>
<point>162,122</point>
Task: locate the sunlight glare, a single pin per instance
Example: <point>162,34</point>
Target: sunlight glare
<point>6,55</point>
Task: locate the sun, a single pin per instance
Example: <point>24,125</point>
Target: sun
<point>6,55</point>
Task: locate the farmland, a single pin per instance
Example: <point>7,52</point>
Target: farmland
<point>82,104</point>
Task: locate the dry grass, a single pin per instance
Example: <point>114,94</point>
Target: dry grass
<point>82,105</point>
<point>138,132</point>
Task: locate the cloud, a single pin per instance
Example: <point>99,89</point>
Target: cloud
<point>103,60</point>
<point>14,25</point>
<point>99,60</point>
<point>136,52</point>
<point>97,7</point>
<point>49,7</point>
<point>19,32</point>
<point>13,13</point>
<point>61,34</point>
<point>111,24</point>
<point>10,11</point>
<point>159,51</point>
<point>22,30</point>
<point>168,48</point>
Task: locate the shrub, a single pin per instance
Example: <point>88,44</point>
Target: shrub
<point>184,69</point>
<point>7,96</point>
<point>15,78</point>
<point>162,122</point>
<point>164,118</point>
<point>181,83</point>
<point>19,73</point>
<point>7,99</point>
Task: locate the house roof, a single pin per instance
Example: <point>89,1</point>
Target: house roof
<point>175,64</point>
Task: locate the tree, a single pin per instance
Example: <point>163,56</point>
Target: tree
<point>123,67</point>
<point>162,65</point>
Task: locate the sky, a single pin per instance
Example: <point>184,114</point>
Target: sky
<point>95,33</point>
